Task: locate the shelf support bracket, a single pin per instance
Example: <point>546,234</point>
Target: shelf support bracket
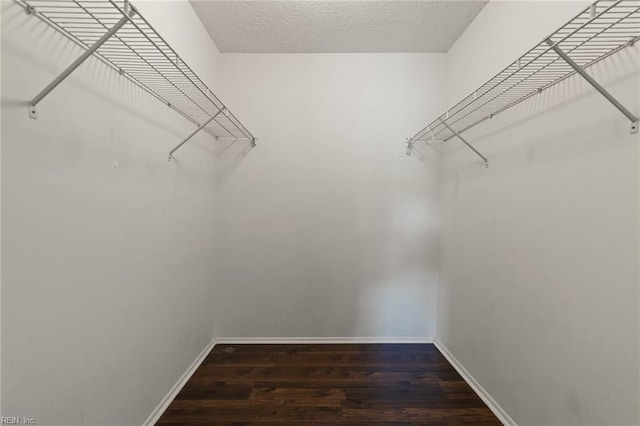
<point>411,142</point>
<point>33,113</point>
<point>200,127</point>
<point>409,147</point>
<point>486,161</point>
<point>596,85</point>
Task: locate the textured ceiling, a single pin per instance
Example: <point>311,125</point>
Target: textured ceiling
<point>304,26</point>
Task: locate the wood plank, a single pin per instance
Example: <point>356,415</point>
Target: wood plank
<point>263,414</point>
<point>381,392</point>
<point>195,404</point>
<point>275,375</point>
<point>361,359</point>
<point>224,359</point>
<point>317,394</point>
<point>301,396</point>
<point>393,376</point>
<point>430,402</point>
<point>327,384</point>
<point>420,415</point>
<point>215,390</point>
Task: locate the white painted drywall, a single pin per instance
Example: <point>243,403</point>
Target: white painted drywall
<point>326,229</point>
<point>107,248</point>
<point>116,263</point>
<point>539,293</point>
<point>1,231</point>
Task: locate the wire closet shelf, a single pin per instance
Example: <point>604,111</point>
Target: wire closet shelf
<point>602,29</point>
<point>116,33</point>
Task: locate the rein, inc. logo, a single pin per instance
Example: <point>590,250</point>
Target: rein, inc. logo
<point>16,420</point>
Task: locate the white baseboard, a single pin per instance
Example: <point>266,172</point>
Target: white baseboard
<point>484,395</point>
<point>319,340</point>
<point>500,413</point>
<point>173,392</point>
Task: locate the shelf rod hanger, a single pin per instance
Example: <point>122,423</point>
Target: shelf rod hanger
<point>486,161</point>
<point>200,127</point>
<point>33,113</point>
<point>596,85</point>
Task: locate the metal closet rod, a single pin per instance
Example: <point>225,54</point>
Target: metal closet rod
<point>140,68</point>
<point>200,127</point>
<point>548,73</point>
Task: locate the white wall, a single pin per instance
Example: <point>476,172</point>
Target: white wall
<point>539,296</point>
<point>326,229</point>
<point>107,248</point>
<point>116,263</point>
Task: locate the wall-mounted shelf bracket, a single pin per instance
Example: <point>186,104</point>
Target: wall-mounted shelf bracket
<point>33,112</point>
<point>596,85</point>
<point>200,127</point>
<point>409,146</point>
<point>412,141</point>
<point>486,161</point>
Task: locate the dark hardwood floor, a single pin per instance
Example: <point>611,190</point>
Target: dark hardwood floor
<point>327,384</point>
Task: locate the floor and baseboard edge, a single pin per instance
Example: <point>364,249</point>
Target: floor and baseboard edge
<point>173,392</point>
<point>319,340</point>
<point>500,413</point>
